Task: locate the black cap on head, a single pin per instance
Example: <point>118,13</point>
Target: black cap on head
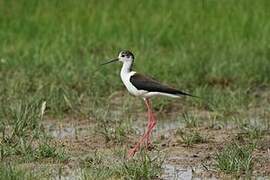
<point>127,53</point>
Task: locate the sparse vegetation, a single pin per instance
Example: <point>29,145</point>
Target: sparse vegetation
<point>191,121</point>
<point>10,172</point>
<point>142,167</point>
<point>252,132</point>
<point>190,137</point>
<point>112,126</point>
<point>49,73</point>
<point>24,134</point>
<point>235,158</point>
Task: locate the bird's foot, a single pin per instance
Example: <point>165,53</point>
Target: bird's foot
<point>148,143</point>
<point>132,152</point>
<point>145,141</point>
<point>150,146</point>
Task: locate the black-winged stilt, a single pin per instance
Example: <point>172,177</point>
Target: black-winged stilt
<point>145,87</point>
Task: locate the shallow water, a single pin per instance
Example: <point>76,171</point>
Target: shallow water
<point>163,127</point>
<point>60,132</point>
<point>173,167</point>
<point>175,172</point>
<point>170,172</point>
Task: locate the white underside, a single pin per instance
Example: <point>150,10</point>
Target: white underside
<point>125,76</point>
<point>151,94</point>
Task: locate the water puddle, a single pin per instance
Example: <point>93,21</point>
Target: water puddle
<point>63,132</point>
<point>163,127</point>
<point>66,130</point>
<point>170,172</point>
<point>59,131</point>
<point>175,167</point>
<point>176,173</point>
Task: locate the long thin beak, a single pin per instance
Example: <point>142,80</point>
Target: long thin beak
<point>111,61</point>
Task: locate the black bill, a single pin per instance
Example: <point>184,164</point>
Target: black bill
<point>111,61</point>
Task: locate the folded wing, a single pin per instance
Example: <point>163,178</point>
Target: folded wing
<point>142,82</point>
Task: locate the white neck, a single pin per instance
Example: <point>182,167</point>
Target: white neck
<point>126,68</point>
<point>126,73</point>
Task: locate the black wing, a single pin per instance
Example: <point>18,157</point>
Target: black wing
<point>145,83</point>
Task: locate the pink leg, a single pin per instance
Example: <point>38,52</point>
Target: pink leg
<point>147,134</point>
<point>152,125</point>
<point>151,122</point>
<point>149,115</point>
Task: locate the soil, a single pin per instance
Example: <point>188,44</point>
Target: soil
<point>182,161</point>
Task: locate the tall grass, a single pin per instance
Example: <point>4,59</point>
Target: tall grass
<point>10,172</point>
<point>51,50</point>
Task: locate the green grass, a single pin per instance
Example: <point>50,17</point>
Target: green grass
<point>113,125</point>
<point>252,132</point>
<point>191,121</point>
<point>46,150</point>
<point>191,137</point>
<point>50,52</point>
<point>10,172</point>
<point>235,158</point>
<point>23,135</point>
<point>143,166</point>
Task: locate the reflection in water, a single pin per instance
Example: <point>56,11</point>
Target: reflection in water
<point>175,173</point>
<point>163,127</point>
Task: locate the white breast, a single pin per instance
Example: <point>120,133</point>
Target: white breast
<point>132,89</point>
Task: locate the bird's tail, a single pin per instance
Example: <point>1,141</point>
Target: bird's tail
<point>180,93</point>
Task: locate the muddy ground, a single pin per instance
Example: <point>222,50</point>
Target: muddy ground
<point>79,138</point>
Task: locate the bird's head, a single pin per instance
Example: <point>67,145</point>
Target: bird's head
<point>124,57</point>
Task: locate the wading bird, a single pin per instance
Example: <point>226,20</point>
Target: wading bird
<point>145,87</point>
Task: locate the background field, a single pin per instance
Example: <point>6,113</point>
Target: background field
<point>50,80</point>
